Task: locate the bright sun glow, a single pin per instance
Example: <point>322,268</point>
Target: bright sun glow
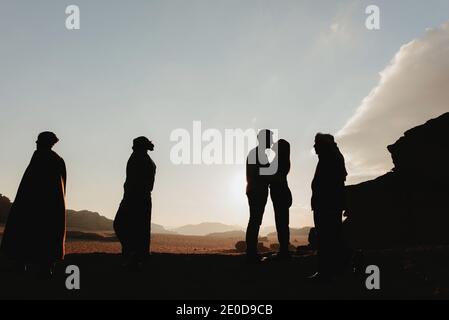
<point>238,187</point>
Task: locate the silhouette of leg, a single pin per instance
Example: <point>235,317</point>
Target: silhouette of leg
<point>147,245</point>
<point>257,201</point>
<point>321,232</point>
<point>328,227</point>
<point>281,215</point>
<point>337,242</point>
<point>252,232</point>
<point>145,234</point>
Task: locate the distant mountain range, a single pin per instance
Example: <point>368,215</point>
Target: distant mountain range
<point>83,220</point>
<point>89,221</point>
<point>294,232</point>
<point>205,228</point>
<point>228,234</point>
<point>92,221</point>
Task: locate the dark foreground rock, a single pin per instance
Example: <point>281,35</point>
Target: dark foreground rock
<point>413,273</point>
<point>408,206</point>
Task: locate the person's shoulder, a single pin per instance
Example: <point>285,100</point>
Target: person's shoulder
<point>252,152</point>
<point>140,159</point>
<point>151,163</point>
<point>148,159</point>
<point>57,157</point>
<point>252,156</point>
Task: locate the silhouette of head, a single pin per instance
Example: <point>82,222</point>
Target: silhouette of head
<point>282,148</point>
<point>324,143</point>
<point>265,138</point>
<point>142,144</point>
<point>46,140</point>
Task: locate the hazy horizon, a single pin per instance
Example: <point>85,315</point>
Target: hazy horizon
<point>151,67</point>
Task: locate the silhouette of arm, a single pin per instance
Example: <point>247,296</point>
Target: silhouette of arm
<point>152,174</point>
<point>251,167</point>
<point>63,175</point>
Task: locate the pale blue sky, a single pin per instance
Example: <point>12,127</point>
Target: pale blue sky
<point>149,67</point>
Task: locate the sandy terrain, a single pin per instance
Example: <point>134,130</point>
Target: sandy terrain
<point>164,243</point>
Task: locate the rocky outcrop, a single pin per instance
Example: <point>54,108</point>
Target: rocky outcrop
<point>5,206</point>
<point>240,246</point>
<point>409,205</point>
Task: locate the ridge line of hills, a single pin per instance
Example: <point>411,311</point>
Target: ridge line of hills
<point>87,222</point>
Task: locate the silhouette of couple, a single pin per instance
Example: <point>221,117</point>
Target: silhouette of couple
<point>262,178</point>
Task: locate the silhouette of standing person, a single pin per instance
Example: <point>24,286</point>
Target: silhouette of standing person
<point>132,223</point>
<point>328,200</point>
<point>35,231</point>
<point>257,191</point>
<point>281,196</point>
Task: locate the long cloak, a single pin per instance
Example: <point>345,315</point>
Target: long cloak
<point>35,230</point>
<point>132,223</point>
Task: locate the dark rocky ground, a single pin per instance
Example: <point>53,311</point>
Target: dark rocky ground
<point>405,274</point>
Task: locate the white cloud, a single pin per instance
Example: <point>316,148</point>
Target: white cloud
<point>412,89</point>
